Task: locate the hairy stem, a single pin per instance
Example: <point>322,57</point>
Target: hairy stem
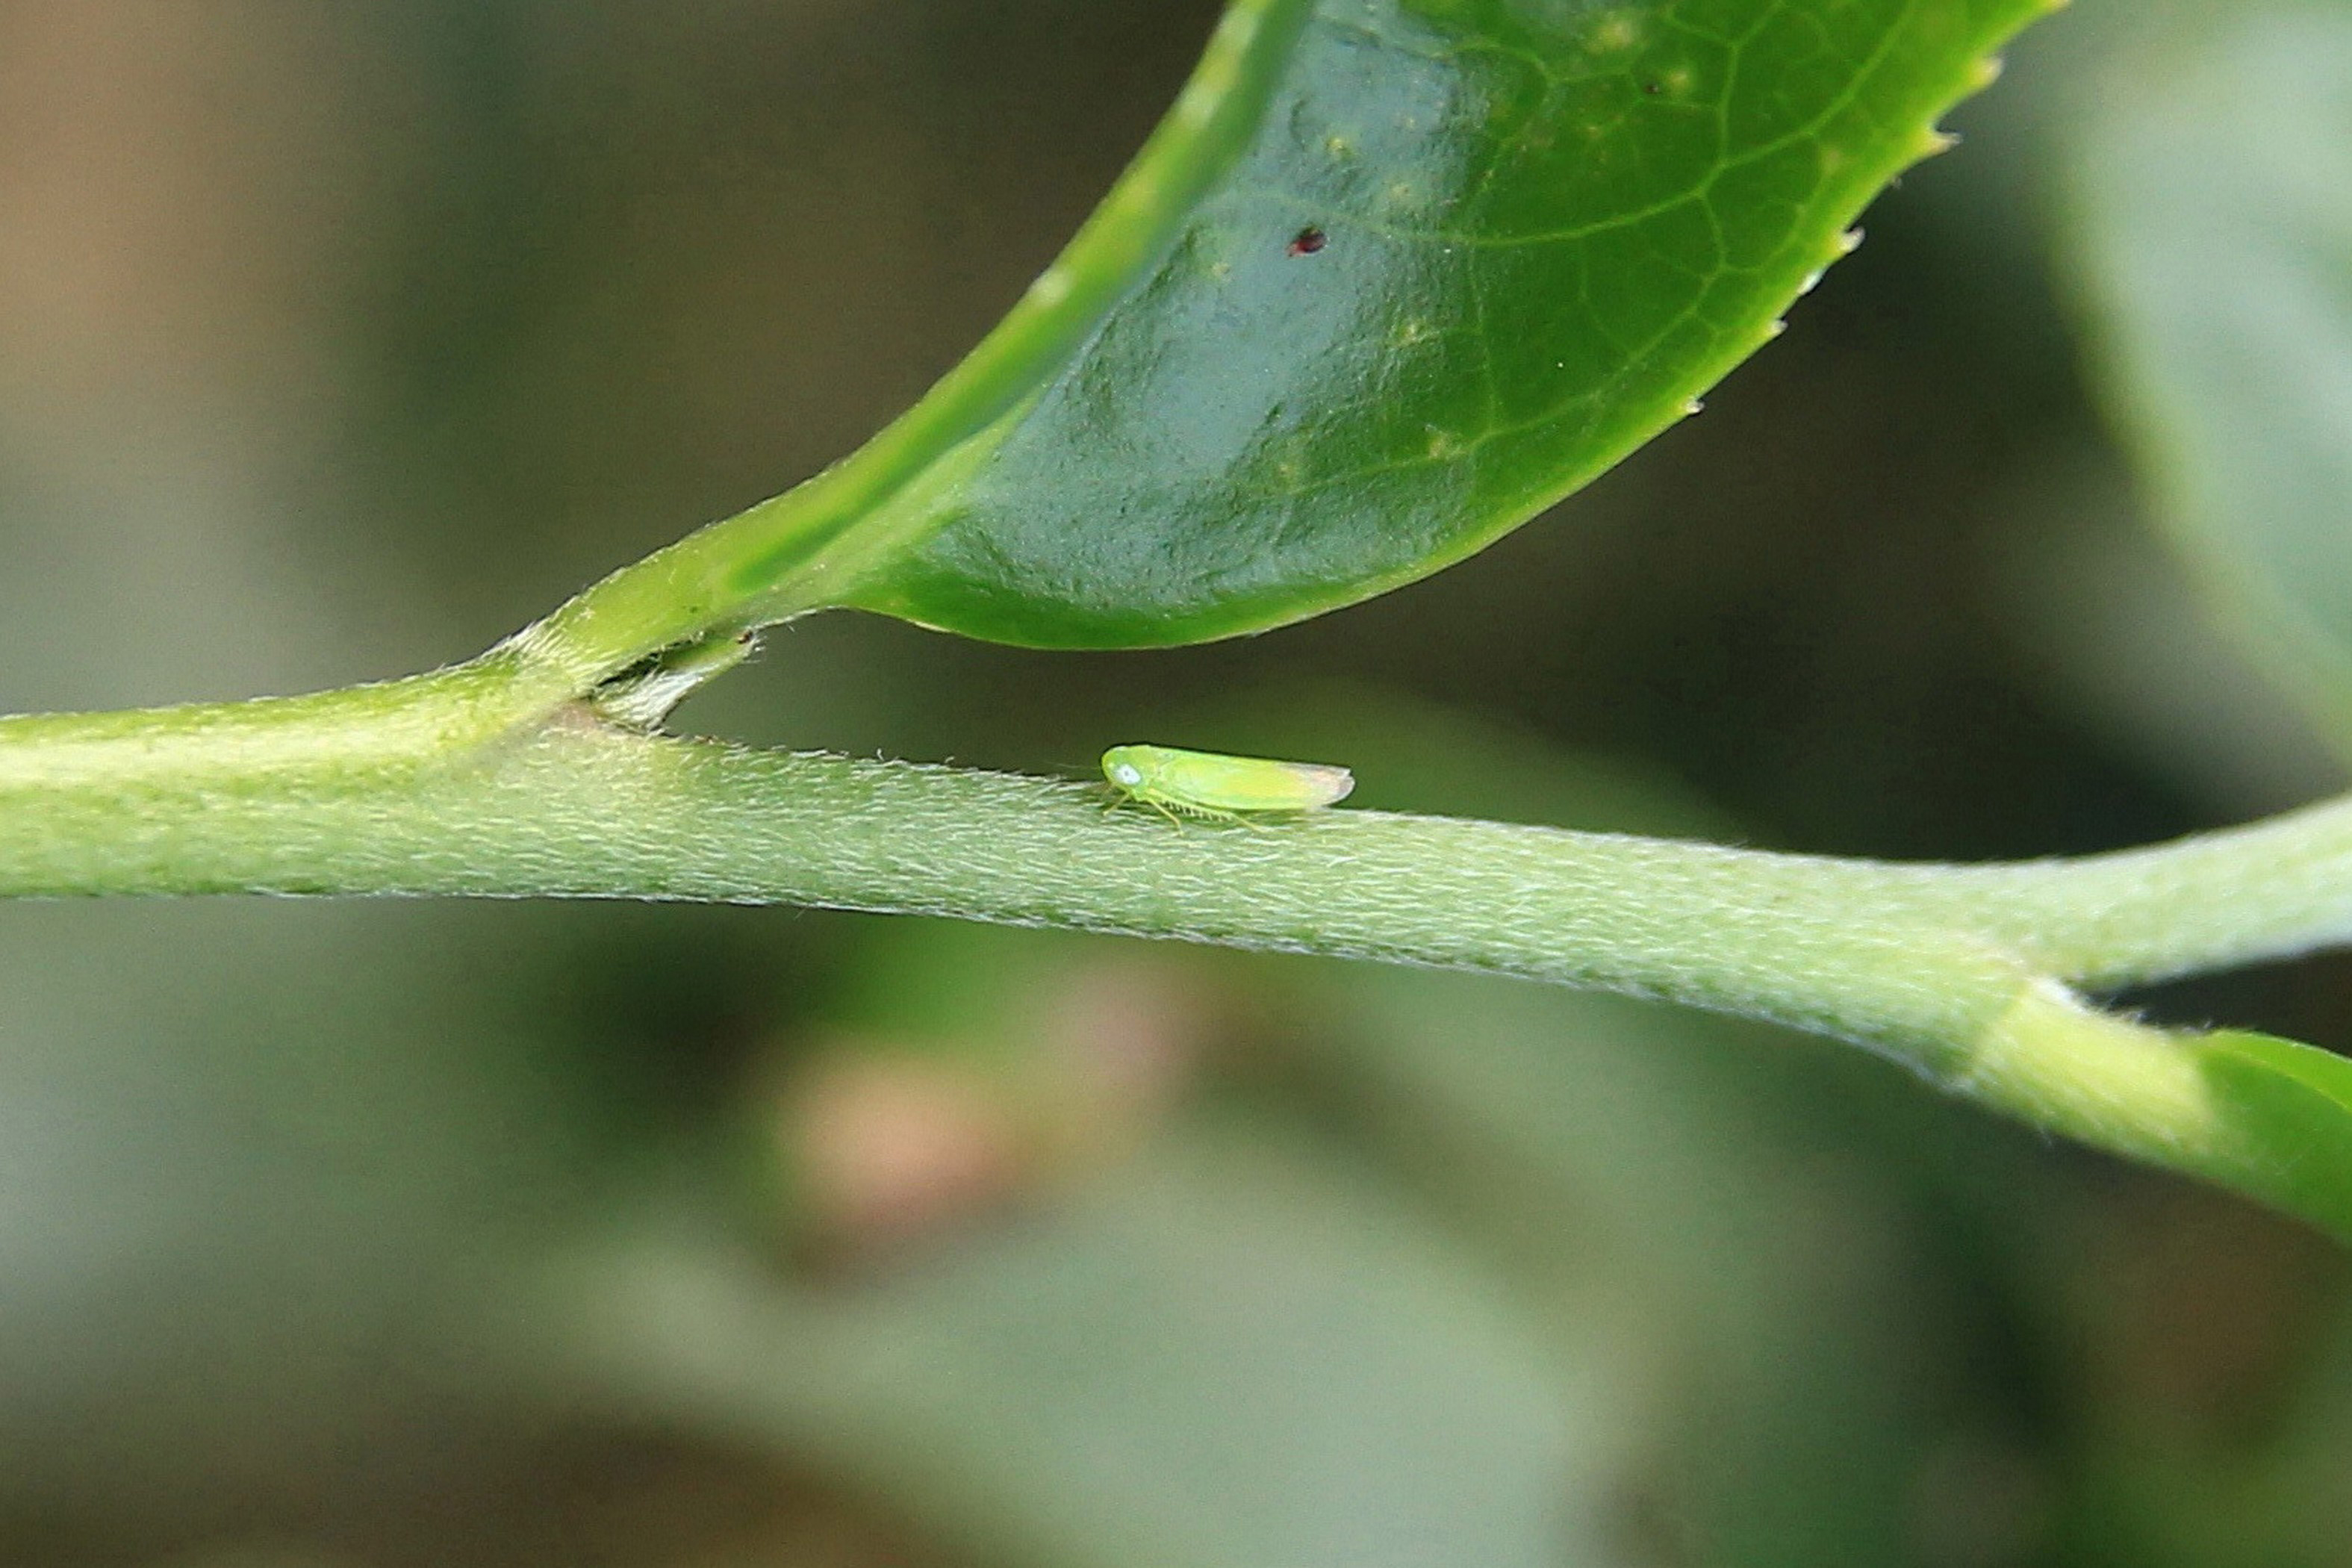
<point>431,786</point>
<point>451,783</point>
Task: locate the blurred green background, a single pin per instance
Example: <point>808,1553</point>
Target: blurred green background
<point>336,342</point>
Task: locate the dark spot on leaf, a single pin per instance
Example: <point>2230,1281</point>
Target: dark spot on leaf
<point>1653,88</point>
<point>1308,241</point>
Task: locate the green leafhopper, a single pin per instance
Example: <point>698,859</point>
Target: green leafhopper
<point>1208,783</point>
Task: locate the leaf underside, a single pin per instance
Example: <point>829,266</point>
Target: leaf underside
<point>1474,253</point>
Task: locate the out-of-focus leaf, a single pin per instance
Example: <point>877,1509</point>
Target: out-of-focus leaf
<point>2215,189</point>
<point>1236,1353</point>
<point>2115,627</point>
<point>260,1168</point>
<point>1671,1185</point>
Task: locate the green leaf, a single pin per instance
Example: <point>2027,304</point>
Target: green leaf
<point>2290,1105</point>
<point>1701,1189</point>
<point>2215,244</point>
<point>1394,276</point>
<point>1544,230</point>
<point>1234,1353</point>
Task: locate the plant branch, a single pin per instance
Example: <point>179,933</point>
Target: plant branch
<point>477,782</point>
<point>452,783</point>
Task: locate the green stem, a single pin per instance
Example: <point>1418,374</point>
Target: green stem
<point>476,782</point>
<point>438,786</point>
